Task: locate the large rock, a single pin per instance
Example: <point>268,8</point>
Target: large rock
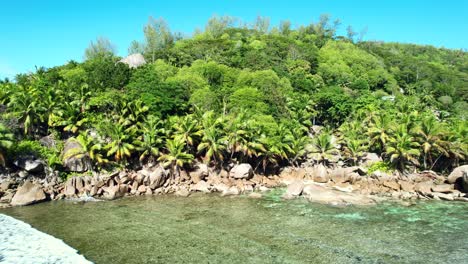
<point>200,173</point>
<point>28,193</point>
<point>241,171</point>
<point>320,174</point>
<point>157,178</point>
<point>341,175</point>
<point>134,60</point>
<point>457,173</point>
<point>321,194</point>
<point>201,186</point>
<point>70,189</point>
<point>424,187</point>
<point>74,157</point>
<point>442,188</point>
<point>29,164</point>
<point>294,189</point>
<point>406,186</point>
<point>369,158</point>
<point>116,191</point>
<point>464,183</point>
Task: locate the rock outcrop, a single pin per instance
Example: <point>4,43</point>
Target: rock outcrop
<point>457,173</point>
<point>28,193</point>
<point>30,164</point>
<point>75,159</point>
<point>241,171</point>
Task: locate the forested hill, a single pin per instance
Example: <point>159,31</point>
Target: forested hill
<point>250,94</point>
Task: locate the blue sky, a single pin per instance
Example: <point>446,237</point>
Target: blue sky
<point>49,33</point>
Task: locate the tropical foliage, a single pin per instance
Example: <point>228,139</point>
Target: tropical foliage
<point>255,94</point>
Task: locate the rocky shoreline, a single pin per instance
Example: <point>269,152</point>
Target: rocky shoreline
<point>339,186</point>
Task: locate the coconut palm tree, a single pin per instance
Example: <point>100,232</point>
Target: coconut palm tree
<point>403,149</point>
<point>213,145</point>
<point>188,129</point>
<point>297,145</point>
<point>353,149</point>
<point>430,136</point>
<point>26,105</point>
<point>323,147</point>
<point>380,130</point>
<point>6,142</point>
<point>148,144</point>
<point>122,141</point>
<point>175,156</point>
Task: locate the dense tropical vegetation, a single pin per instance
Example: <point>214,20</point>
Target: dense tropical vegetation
<point>253,94</point>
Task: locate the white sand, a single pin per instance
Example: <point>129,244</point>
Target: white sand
<point>20,243</point>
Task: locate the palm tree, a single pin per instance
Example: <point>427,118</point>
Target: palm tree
<point>26,105</point>
<point>175,157</point>
<point>93,147</point>
<point>148,145</point>
<point>188,129</point>
<point>69,117</point>
<point>6,142</point>
<point>213,144</point>
<point>458,141</point>
<point>121,143</point>
<point>353,149</point>
<point>403,149</point>
<point>297,144</point>
<point>430,135</point>
<point>380,129</point>
<point>323,147</point>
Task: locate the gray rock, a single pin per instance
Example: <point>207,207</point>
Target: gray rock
<point>5,185</point>
<point>442,188</point>
<point>241,171</point>
<point>157,178</point>
<point>294,189</point>
<point>75,159</point>
<point>134,60</point>
<point>29,164</point>
<point>28,193</point>
<point>116,191</point>
<point>457,173</point>
<point>70,189</point>
<point>201,186</point>
<point>369,158</point>
<point>464,183</point>
<point>320,174</point>
<point>6,198</point>
<point>255,195</point>
<point>231,191</point>
<point>320,194</point>
<point>183,192</point>
<point>200,173</point>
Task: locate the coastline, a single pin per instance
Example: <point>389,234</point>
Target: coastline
<point>339,186</point>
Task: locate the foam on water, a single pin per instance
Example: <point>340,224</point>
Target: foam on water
<point>20,243</point>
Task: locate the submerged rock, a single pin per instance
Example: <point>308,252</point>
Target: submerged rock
<point>320,194</point>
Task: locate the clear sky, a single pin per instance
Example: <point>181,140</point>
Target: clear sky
<point>49,33</point>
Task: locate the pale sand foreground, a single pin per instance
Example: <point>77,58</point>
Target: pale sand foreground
<point>21,243</point>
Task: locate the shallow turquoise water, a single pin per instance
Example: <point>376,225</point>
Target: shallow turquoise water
<point>213,229</point>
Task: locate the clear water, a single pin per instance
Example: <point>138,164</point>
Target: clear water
<point>213,229</point>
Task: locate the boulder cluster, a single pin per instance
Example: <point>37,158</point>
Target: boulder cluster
<point>343,185</point>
